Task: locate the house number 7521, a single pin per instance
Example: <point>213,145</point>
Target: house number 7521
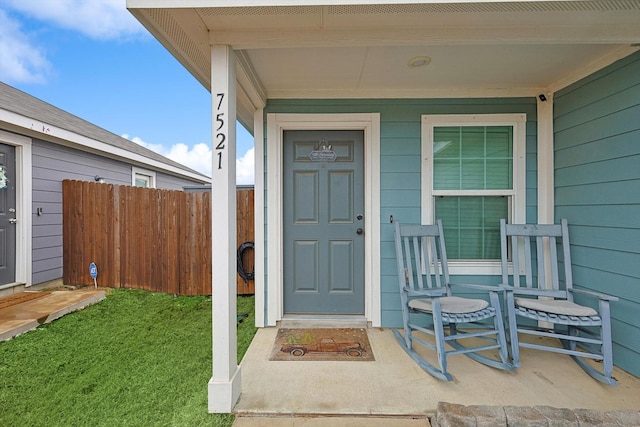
<point>221,137</point>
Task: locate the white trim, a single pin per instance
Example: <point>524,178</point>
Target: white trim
<point>546,199</point>
<point>144,172</point>
<point>397,93</point>
<point>274,221</point>
<point>249,81</point>
<point>251,93</point>
<point>453,32</point>
<point>592,67</point>
<point>223,395</point>
<point>370,124</point>
<point>475,267</point>
<point>24,180</point>
<point>258,209</point>
<point>518,194</point>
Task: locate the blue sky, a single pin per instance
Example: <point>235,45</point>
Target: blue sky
<point>93,59</point>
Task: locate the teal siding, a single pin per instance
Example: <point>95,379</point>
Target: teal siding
<point>597,179</point>
<point>400,180</point>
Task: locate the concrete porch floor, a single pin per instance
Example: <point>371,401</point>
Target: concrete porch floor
<point>394,386</point>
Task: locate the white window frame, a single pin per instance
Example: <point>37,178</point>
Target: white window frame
<point>138,172</point>
<point>517,195</point>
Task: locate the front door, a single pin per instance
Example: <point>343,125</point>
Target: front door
<point>7,214</point>
<point>323,222</point>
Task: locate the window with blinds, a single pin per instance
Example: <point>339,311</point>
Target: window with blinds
<point>466,161</point>
<point>473,176</point>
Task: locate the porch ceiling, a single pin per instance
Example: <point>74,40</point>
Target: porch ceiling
<point>362,50</point>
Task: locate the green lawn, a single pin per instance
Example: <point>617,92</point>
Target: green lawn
<point>135,359</point>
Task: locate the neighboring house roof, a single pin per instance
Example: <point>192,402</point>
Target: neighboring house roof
<point>93,138</point>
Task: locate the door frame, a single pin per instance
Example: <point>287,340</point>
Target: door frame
<point>277,123</point>
<point>22,145</point>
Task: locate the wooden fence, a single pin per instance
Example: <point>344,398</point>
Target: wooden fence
<point>245,233</point>
<point>141,238</point>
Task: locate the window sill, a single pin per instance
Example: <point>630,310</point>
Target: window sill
<point>475,267</point>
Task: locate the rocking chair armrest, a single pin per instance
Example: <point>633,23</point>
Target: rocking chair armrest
<point>489,288</point>
<point>516,290</point>
<point>598,295</point>
<point>434,292</point>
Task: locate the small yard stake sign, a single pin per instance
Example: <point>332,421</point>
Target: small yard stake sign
<point>93,271</point>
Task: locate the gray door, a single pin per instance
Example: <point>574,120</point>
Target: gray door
<point>7,214</point>
<point>323,222</point>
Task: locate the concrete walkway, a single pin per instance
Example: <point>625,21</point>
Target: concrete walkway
<point>24,316</point>
<point>306,393</point>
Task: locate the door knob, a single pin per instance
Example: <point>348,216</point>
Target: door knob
<point>13,220</point>
<point>359,231</point>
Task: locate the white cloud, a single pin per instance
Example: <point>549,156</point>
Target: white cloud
<point>98,19</point>
<point>199,157</point>
<point>20,60</point>
<point>244,169</point>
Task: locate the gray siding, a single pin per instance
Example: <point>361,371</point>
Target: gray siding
<point>400,127</point>
<point>597,178</point>
<point>171,182</point>
<point>53,163</point>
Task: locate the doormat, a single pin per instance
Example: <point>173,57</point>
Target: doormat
<point>19,298</point>
<point>341,344</point>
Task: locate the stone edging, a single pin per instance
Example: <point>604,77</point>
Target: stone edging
<point>454,415</point>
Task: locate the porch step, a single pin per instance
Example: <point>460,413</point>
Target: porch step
<point>451,414</point>
<point>314,420</point>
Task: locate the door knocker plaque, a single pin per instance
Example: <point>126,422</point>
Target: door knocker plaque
<point>324,154</point>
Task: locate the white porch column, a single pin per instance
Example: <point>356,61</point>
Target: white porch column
<point>545,175</point>
<point>545,160</point>
<point>259,237</point>
<point>225,384</point>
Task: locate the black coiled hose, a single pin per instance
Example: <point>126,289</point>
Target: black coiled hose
<point>246,275</point>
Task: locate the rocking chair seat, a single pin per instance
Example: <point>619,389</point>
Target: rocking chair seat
<point>559,307</point>
<point>453,305</point>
